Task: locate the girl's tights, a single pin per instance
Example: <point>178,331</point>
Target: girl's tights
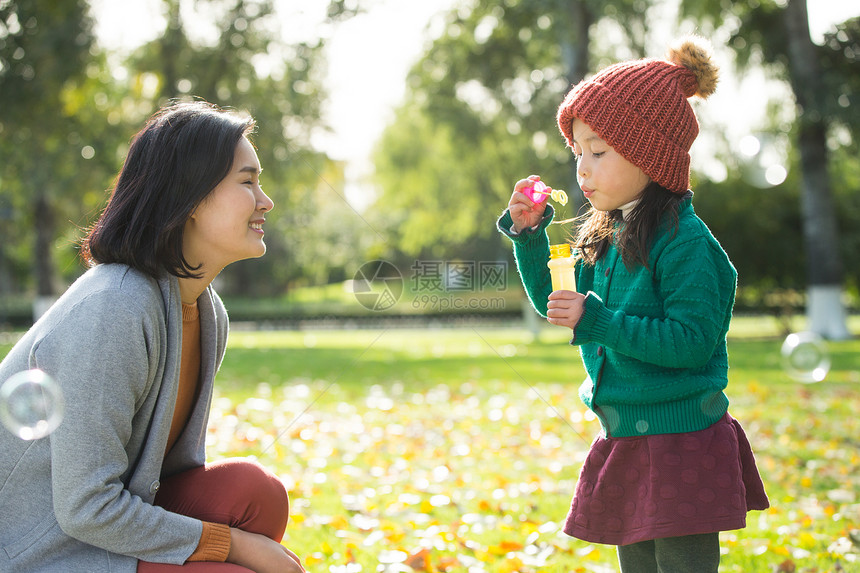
<point>236,492</point>
<point>686,554</point>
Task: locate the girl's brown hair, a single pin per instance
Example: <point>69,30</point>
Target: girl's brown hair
<point>597,230</point>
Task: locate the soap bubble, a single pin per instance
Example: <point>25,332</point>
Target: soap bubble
<point>805,357</point>
<point>31,404</point>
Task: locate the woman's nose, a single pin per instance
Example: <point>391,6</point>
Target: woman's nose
<point>264,202</point>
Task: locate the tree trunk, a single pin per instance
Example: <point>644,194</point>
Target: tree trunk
<point>574,51</point>
<point>825,309</point>
<point>43,253</point>
<point>171,45</point>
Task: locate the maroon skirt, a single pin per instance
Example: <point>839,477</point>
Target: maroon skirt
<point>647,487</point>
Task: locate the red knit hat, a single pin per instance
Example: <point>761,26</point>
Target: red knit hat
<point>640,108</point>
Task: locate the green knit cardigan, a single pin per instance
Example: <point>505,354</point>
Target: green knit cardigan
<point>653,342</point>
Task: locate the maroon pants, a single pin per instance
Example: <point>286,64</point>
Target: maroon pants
<point>237,492</point>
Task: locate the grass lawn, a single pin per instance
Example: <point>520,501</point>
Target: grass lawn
<point>459,449</point>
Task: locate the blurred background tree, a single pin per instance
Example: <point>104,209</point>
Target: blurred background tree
<point>53,146</point>
<point>244,62</point>
<point>67,116</point>
<point>478,114</point>
<point>776,34</point>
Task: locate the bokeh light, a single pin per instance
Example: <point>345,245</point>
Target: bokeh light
<point>763,160</point>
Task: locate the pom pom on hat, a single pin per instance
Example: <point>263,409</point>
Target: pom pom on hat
<point>640,108</point>
<point>694,54</point>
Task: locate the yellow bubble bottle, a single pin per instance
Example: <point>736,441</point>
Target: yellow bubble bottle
<point>561,267</point>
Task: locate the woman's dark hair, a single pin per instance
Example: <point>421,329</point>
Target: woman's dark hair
<point>174,162</point>
<point>597,230</point>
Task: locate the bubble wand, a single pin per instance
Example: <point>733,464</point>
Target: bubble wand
<point>538,194</point>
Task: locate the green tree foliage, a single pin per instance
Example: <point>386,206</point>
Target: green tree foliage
<point>52,152</point>
<point>761,227</point>
<point>244,63</point>
<point>68,110</point>
<point>758,229</point>
<point>841,67</point>
<point>479,114</point>
<point>823,82</point>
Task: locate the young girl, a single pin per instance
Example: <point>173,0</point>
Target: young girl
<point>122,484</point>
<point>654,299</point>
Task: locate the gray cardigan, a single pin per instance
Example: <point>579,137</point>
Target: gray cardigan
<point>80,500</point>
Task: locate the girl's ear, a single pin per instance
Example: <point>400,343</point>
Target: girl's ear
<point>646,180</point>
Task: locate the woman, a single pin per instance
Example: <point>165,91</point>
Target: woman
<point>122,484</point>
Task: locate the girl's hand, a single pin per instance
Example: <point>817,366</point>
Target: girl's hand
<point>525,213</point>
<point>565,308</point>
<point>261,554</point>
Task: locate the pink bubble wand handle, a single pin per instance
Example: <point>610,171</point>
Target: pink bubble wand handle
<point>537,192</point>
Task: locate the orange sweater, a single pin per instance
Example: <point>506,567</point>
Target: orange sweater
<point>214,542</point>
